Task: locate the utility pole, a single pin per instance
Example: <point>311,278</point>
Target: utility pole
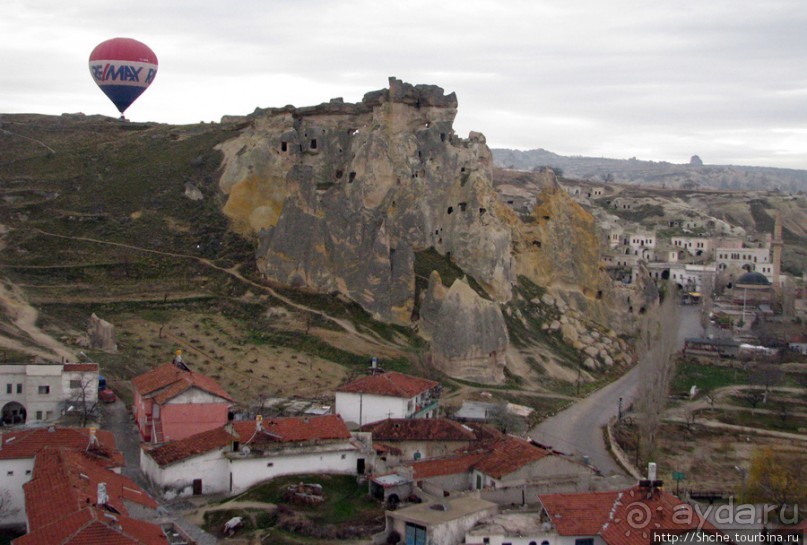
<point>579,370</point>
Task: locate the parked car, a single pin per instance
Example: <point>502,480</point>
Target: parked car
<point>107,396</point>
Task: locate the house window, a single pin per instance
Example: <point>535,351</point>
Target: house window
<point>44,389</point>
<point>584,541</point>
<point>39,415</point>
<point>27,471</point>
<point>270,464</point>
<point>75,384</point>
<point>10,473</point>
<point>8,388</point>
<point>415,534</point>
<point>343,456</point>
<point>19,388</point>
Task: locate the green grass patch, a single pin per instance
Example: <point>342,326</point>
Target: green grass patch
<point>757,419</point>
<point>346,501</point>
<point>706,377</point>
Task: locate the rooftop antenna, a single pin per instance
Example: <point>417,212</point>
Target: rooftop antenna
<point>93,440</point>
<point>177,361</point>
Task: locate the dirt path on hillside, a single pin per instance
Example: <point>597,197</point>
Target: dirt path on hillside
<point>234,272</point>
<point>20,323</point>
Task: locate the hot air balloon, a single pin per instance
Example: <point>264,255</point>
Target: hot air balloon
<point>123,68</point>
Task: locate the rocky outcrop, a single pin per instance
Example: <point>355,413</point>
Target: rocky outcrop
<point>341,196</point>
<point>101,334</point>
<point>470,336</point>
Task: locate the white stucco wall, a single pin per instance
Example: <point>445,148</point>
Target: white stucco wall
<point>31,377</point>
<point>195,395</point>
<point>215,469</point>
<point>249,471</point>
<point>366,408</point>
<point>89,381</point>
<point>177,479</point>
<point>13,474</point>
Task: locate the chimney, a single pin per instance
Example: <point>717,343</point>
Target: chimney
<point>258,423</point>
<point>103,498</point>
<point>93,439</point>
<point>651,471</point>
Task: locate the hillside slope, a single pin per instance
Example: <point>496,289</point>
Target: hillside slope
<point>284,271</point>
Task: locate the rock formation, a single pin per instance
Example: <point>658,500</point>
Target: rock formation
<point>345,198</point>
<point>468,332</point>
<point>341,196</point>
<point>101,334</point>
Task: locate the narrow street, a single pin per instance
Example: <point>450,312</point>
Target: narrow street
<point>117,419</point>
<point>579,428</point>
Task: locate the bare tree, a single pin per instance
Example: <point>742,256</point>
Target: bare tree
<point>505,421</point>
<point>6,510</point>
<point>707,301</point>
<point>754,396</point>
<point>656,348</point>
<point>83,401</point>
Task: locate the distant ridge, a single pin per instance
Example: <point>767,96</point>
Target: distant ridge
<point>662,174</point>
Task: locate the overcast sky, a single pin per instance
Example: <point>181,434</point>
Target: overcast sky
<point>654,79</point>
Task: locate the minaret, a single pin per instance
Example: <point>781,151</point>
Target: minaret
<point>776,245</point>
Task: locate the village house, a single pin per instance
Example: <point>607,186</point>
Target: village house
<point>19,450</point>
<point>95,505</point>
<point>430,522</point>
<point>172,402</point>
<point>421,438</point>
<point>387,395</point>
<point>232,458</point>
<point>503,469</point>
<point>594,518</point>
<point>695,246</point>
<point>41,392</point>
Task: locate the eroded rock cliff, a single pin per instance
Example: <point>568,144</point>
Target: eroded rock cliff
<point>347,197</point>
<point>341,196</point>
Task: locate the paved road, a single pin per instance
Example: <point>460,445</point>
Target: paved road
<point>578,429</point>
<point>117,419</point>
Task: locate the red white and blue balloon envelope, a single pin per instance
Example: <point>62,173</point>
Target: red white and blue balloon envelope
<point>123,68</point>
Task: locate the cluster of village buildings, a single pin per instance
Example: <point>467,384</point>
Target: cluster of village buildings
<point>707,259</point>
<point>444,481</point>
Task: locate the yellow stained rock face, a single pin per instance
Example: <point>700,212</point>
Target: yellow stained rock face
<point>253,206</point>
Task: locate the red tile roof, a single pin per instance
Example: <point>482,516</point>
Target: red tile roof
<point>628,517</point>
<point>168,381</point>
<point>508,455</point>
<point>497,459</point>
<point>296,429</point>
<point>419,429</point>
<point>451,465</point>
<point>26,443</point>
<point>189,447</point>
<point>392,384</point>
<point>91,526</point>
<point>73,477</point>
<point>61,504</point>
<point>578,514</point>
<point>274,431</point>
<point>80,367</point>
